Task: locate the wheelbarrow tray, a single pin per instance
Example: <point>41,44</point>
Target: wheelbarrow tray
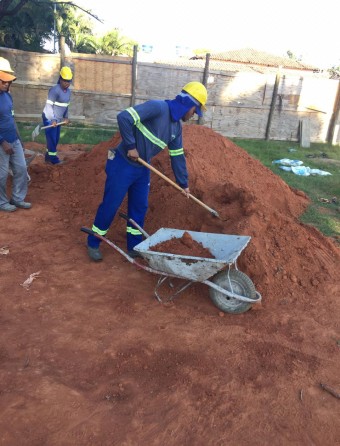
<point>29,156</point>
<point>225,248</point>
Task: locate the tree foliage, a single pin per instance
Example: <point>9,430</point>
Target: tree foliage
<point>28,24</point>
<point>334,72</point>
<point>10,7</point>
<point>28,28</point>
<point>76,28</point>
<point>114,43</point>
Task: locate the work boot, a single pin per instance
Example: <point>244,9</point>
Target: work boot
<point>53,160</point>
<point>94,254</point>
<point>8,207</point>
<point>21,204</point>
<point>55,163</point>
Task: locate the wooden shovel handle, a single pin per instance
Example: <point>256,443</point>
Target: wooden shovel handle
<point>49,126</point>
<point>175,185</point>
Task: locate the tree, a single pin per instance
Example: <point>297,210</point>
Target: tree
<point>36,21</point>
<point>10,7</point>
<point>27,24</point>
<point>115,44</point>
<point>334,72</point>
<point>76,28</point>
<point>28,29</point>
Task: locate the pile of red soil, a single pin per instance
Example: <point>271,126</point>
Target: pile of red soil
<point>285,258</point>
<point>184,245</point>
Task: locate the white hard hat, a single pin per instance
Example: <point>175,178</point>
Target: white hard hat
<point>5,65</point>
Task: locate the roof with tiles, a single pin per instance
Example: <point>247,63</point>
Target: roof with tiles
<point>248,60</point>
<point>256,57</point>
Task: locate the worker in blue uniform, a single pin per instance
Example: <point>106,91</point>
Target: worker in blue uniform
<point>146,129</point>
<point>12,155</point>
<point>56,111</point>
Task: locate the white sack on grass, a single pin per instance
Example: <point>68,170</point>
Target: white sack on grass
<point>296,167</point>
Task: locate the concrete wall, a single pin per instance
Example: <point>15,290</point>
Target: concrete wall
<point>238,106</point>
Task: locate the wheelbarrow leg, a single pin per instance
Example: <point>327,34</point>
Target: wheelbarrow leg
<point>162,280</point>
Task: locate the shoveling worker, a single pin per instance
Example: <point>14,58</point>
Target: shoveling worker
<point>11,148</point>
<point>146,129</point>
<point>55,111</point>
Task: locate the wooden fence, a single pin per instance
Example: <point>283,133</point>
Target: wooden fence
<point>240,104</point>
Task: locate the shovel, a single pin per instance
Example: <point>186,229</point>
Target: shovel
<point>176,186</point>
<point>38,129</point>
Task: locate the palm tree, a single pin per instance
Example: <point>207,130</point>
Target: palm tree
<point>114,44</point>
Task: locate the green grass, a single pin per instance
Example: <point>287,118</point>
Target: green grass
<point>325,216</point>
<point>71,134</point>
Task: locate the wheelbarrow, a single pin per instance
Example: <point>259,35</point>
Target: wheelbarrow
<point>230,290</point>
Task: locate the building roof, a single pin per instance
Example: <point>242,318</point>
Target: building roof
<point>245,60</point>
<point>260,58</point>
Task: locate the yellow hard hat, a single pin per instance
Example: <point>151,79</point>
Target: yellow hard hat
<point>197,91</point>
<point>66,73</point>
<point>5,66</point>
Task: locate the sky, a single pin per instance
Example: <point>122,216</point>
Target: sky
<point>308,28</point>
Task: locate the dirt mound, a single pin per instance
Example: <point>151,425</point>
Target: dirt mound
<point>249,198</point>
<point>89,356</point>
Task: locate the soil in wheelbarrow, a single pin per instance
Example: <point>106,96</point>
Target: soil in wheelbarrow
<point>89,357</point>
<point>184,245</point>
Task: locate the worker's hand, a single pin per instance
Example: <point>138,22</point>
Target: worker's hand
<point>7,148</point>
<point>67,121</point>
<point>186,192</point>
<point>54,123</point>
<point>133,154</point>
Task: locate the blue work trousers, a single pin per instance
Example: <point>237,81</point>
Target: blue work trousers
<point>123,178</point>
<point>52,140</point>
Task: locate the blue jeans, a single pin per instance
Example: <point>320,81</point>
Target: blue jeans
<point>16,161</point>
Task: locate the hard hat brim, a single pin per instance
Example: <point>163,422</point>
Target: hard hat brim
<point>6,77</point>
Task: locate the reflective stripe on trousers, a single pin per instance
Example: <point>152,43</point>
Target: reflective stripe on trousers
<point>52,138</point>
<point>122,178</point>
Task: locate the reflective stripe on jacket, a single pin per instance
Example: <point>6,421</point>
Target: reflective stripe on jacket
<point>58,101</point>
<point>148,128</point>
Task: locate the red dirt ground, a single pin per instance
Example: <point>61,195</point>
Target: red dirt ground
<point>88,356</point>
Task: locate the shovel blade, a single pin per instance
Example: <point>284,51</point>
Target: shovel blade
<point>36,131</point>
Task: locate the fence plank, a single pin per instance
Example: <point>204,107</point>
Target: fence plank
<point>238,102</point>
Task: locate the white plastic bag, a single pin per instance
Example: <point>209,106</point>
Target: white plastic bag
<point>319,172</point>
<point>301,170</point>
<point>286,168</point>
<point>288,162</point>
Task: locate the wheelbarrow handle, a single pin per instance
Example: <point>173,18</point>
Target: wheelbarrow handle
<point>115,247</point>
<point>123,216</point>
<point>135,224</point>
<point>87,230</point>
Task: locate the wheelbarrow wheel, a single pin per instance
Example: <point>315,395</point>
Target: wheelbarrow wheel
<point>236,282</point>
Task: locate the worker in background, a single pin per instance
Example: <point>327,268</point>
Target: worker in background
<point>11,148</point>
<point>56,111</point>
<point>146,129</point>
